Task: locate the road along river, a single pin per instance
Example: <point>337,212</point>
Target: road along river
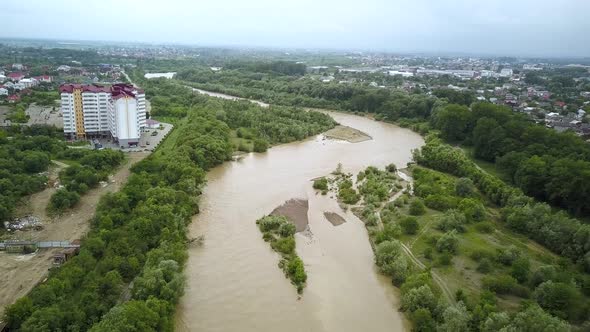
<point>233,281</point>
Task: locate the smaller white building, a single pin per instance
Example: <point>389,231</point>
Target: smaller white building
<point>19,86</point>
<point>3,92</point>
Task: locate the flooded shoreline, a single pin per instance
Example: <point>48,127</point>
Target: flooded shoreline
<point>233,282</point>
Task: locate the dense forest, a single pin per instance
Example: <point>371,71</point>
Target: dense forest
<point>547,165</point>
<point>138,234</point>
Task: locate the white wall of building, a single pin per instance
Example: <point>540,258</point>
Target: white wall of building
<point>126,124</point>
<point>69,116</point>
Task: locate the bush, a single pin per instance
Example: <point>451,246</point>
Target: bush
<point>417,207</point>
<point>507,256</point>
<point>464,187</point>
<point>444,259</point>
<point>348,195</point>
<point>63,199</point>
<point>440,202</point>
<point>485,266</point>
<point>270,223</point>
<point>260,145</point>
<point>484,227</point>
<point>448,242</point>
<point>452,220</point>
<point>284,245</point>
<point>391,168</point>
<point>287,229</point>
<point>502,284</point>
<point>409,225</point>
<point>321,184</point>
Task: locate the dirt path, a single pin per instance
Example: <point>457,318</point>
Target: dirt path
<point>437,279</point>
<point>20,273</point>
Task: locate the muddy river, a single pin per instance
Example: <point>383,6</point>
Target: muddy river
<point>233,281</point>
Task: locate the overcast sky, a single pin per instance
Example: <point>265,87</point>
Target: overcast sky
<point>498,27</point>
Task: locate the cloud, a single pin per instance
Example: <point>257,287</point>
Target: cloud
<point>511,27</point>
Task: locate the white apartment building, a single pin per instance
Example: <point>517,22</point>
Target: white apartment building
<point>93,111</point>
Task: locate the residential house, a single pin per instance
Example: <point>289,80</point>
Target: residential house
<point>18,66</point>
<point>29,82</point>
<point>19,86</point>
<point>2,78</point>
<point>9,85</point>
<point>3,92</point>
<point>16,76</point>
<point>44,79</point>
<point>13,99</point>
<point>64,68</point>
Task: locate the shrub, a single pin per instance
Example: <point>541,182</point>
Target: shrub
<point>502,284</point>
<point>485,266</point>
<point>348,195</point>
<point>321,184</point>
<point>417,207</point>
<point>284,245</point>
<point>484,227</point>
<point>287,229</point>
<point>444,259</point>
<point>391,168</point>
<point>260,145</point>
<point>464,187</point>
<point>409,225</point>
<point>63,199</point>
<point>507,256</point>
<point>440,202</point>
<point>270,223</point>
<point>448,242</point>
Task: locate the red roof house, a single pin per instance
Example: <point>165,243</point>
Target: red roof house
<point>16,76</point>
<point>13,98</point>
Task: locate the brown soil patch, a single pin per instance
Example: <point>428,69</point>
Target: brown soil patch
<point>20,273</point>
<point>296,211</point>
<point>347,134</point>
<point>334,218</point>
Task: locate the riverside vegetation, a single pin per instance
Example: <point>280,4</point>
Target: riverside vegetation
<point>457,247</point>
<point>128,274</point>
<point>279,232</point>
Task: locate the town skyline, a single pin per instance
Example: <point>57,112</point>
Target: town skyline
<point>520,28</point>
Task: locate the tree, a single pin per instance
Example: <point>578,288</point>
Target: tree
<point>453,121</point>
<point>472,209</point>
<point>488,139</point>
<point>455,318</point>
<point>423,321</point>
<point>417,207</point>
<point>35,161</point>
<point>534,319</point>
<point>449,242</point>
<point>260,145</point>
<point>409,225</point>
<point>560,299</point>
<point>464,187</point>
<point>532,176</point>
<point>420,297</point>
<point>521,269</point>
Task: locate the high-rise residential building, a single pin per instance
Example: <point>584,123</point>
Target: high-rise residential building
<point>91,111</point>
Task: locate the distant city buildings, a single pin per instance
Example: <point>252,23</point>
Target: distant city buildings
<point>116,111</point>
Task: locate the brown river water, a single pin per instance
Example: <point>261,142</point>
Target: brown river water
<point>233,279</point>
